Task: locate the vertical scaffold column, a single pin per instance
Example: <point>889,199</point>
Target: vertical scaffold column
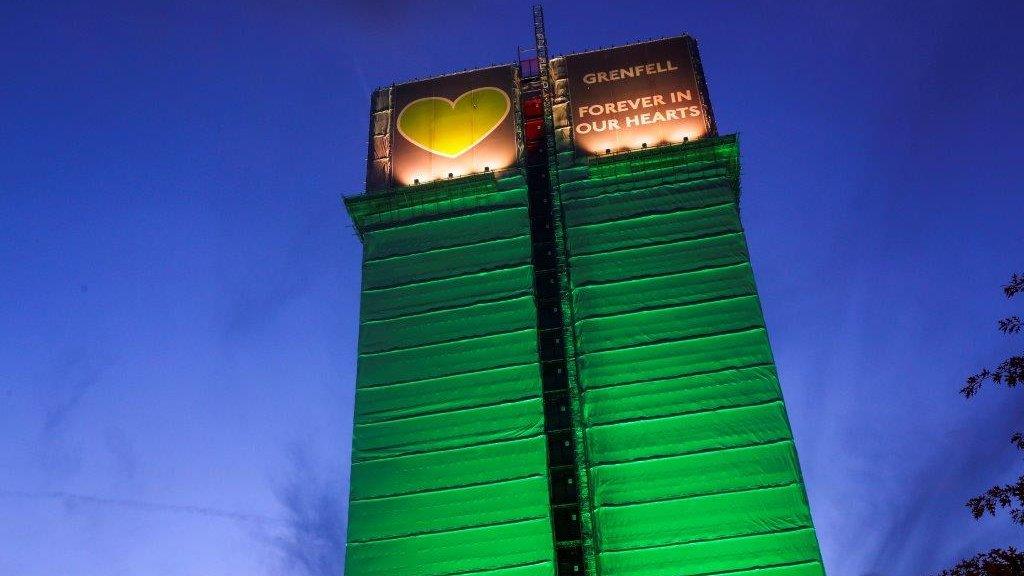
<point>568,486</point>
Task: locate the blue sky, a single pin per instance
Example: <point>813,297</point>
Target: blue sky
<point>179,282</point>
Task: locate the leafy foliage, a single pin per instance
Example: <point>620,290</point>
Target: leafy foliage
<point>1008,496</point>
<point>995,562</point>
<point>1009,372</point>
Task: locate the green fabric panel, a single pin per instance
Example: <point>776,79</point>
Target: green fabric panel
<point>447,393</point>
<point>639,181</point>
<point>661,199</point>
<point>447,359</point>
<point>446,262</point>
<point>618,234</point>
<point>523,419</point>
<point>447,232</point>
<point>673,359</point>
<point>695,474</point>
<point>522,499</point>
<point>377,211</point>
<point>461,467</point>
<point>448,293</point>
<point>659,259</point>
<point>688,433</point>
<point>703,518</point>
<point>808,569</point>
<point>723,151</point>
<point>713,556</point>
<point>460,551</point>
<point>644,293</point>
<point>676,323</point>
<point>656,398</point>
<point>445,325</point>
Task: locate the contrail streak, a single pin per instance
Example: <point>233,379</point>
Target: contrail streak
<point>72,499</point>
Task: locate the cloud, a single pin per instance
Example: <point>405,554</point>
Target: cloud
<point>313,541</point>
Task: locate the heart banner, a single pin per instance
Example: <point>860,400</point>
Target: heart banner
<point>451,128</point>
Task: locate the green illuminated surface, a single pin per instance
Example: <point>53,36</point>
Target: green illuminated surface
<point>688,454</point>
<point>449,455</point>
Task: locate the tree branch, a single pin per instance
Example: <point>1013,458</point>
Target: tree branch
<point>1010,496</point>
<point>995,562</point>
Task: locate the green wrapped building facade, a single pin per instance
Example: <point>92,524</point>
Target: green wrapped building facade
<point>564,369</point>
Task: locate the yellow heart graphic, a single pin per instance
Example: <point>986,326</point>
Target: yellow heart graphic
<point>450,129</point>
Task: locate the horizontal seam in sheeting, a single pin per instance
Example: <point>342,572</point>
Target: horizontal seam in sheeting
<point>761,567</point>
<point>690,375</point>
<point>464,409</point>
<point>701,495</point>
<point>386,218</point>
<point>602,189</point>
<point>448,375</point>
<point>449,449</point>
<point>713,451</point>
<point>699,540</point>
<point>493,570</point>
<point>523,291</point>
<point>678,414</point>
<point>662,243</point>
<point>757,567</point>
<point>668,306</point>
<point>524,264</point>
<point>449,341</point>
<point>461,408</point>
<point>709,207</point>
<point>457,216</point>
<point>446,488</point>
<point>447,531</point>
<point>691,453</point>
<point>675,188</point>
<point>452,247</point>
<point>683,273</point>
<point>502,299</point>
<point>592,283</point>
<point>674,340</point>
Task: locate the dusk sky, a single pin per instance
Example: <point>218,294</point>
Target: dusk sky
<point>179,281</point>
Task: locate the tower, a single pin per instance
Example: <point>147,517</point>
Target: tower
<point>563,365</point>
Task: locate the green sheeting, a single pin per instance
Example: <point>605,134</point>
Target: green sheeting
<point>701,518</point>
<point>689,453</point>
<point>688,433</point>
<point>795,547</point>
<point>433,360</point>
<point>660,291</point>
<point>664,324</point>
<point>430,512</point>
<point>470,321</point>
<point>487,387</point>
<point>455,551</point>
<point>449,471</point>
<point>657,259</point>
<point>672,359</point>
<point>730,470</point>
<point>451,429</point>
<point>446,262</point>
<point>676,396</point>
<point>441,470</point>
<point>658,228</point>
<point>466,290</point>
<point>659,200</point>
<point>446,232</point>
<point>684,444</point>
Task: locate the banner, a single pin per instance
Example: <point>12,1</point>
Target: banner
<point>634,96</point>
<point>453,125</point>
